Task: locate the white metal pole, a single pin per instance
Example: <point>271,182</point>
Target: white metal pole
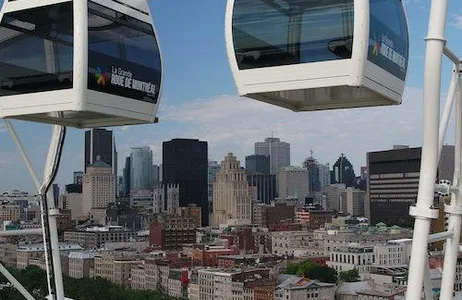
<point>34,176</point>
<point>423,211</point>
<point>52,211</point>
<point>427,283</point>
<point>15,283</point>
<point>454,211</point>
<point>454,85</point>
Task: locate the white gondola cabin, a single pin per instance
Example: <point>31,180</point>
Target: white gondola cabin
<point>82,63</point>
<point>318,54</point>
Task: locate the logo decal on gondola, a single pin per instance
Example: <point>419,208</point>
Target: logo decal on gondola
<point>386,48</point>
<point>101,77</point>
<point>376,49</point>
<point>125,79</point>
<point>375,45</point>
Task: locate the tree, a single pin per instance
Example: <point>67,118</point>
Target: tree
<point>34,280</point>
<point>323,274</point>
<point>291,268</point>
<point>350,276</point>
<point>305,268</point>
<point>308,269</point>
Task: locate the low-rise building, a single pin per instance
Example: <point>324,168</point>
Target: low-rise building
<point>138,277</point>
<point>115,267</point>
<point>354,256</point>
<point>8,254</point>
<point>36,251</point>
<point>80,264</point>
<point>299,288</point>
<point>95,237</point>
<point>228,284</point>
<point>172,232</point>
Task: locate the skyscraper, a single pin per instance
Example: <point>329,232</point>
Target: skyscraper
<point>185,162</point>
<point>98,182</point>
<point>232,203</point>
<point>100,142</point>
<point>293,182</point>
<point>393,183</point>
<point>126,177</point>
<point>343,172</point>
<point>265,184</point>
<point>156,175</point>
<point>213,169</point>
<point>314,182</point>
<point>257,164</point>
<point>141,169</point>
<point>279,153</point>
<point>324,175</point>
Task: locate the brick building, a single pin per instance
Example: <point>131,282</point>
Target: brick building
<point>171,233</point>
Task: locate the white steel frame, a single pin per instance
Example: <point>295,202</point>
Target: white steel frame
<point>433,138</point>
<point>351,73</point>
<point>55,288</point>
<point>116,110</point>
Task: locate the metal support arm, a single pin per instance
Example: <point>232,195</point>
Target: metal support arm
<point>50,232</point>
<point>15,283</point>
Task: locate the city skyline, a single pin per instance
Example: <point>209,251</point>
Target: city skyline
<point>64,179</point>
<point>199,101</point>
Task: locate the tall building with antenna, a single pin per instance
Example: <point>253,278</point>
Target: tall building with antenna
<point>279,153</point>
<point>312,165</point>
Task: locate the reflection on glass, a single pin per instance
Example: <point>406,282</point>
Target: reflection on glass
<point>283,32</point>
<point>124,57</point>
<point>36,50</point>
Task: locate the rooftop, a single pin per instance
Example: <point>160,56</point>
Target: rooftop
<point>296,283</point>
<point>82,255</point>
<point>39,247</point>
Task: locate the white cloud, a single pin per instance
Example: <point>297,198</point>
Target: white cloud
<point>457,21</point>
<point>233,124</point>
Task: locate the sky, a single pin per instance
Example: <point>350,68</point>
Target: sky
<point>199,100</point>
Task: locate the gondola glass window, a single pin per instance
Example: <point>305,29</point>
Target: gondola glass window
<point>36,50</point>
<point>284,32</point>
<point>123,56</point>
<point>388,42</point>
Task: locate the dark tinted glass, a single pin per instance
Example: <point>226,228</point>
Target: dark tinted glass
<point>36,50</point>
<point>124,56</point>
<point>284,32</point>
<point>388,42</point>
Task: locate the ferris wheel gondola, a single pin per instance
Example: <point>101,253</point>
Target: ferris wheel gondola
<point>318,54</point>
<point>96,62</point>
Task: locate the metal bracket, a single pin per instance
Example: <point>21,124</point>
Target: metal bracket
<point>444,188</point>
<point>423,212</point>
<point>54,212</point>
<point>453,210</point>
